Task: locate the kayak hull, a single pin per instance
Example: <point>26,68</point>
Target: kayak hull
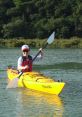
<point>37,81</point>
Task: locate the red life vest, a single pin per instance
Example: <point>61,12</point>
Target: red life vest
<point>27,61</point>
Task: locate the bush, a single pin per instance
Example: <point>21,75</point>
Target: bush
<point>37,43</point>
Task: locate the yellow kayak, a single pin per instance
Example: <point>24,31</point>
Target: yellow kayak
<point>36,81</point>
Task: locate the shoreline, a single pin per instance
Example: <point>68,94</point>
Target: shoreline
<point>37,43</point>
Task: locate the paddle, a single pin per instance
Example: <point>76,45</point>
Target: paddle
<point>14,83</point>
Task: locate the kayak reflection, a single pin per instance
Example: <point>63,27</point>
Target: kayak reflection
<point>37,104</point>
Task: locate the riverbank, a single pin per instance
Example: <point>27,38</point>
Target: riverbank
<point>36,43</point>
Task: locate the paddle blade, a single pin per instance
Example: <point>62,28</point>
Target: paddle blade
<point>51,38</point>
<point>13,83</point>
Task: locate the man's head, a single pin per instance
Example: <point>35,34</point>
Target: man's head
<point>25,49</point>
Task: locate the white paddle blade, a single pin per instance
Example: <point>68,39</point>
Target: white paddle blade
<point>13,83</point>
<point>51,38</point>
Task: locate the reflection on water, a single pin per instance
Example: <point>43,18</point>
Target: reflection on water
<point>68,65</point>
<point>36,104</point>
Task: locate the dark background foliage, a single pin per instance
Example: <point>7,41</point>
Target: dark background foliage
<point>39,18</point>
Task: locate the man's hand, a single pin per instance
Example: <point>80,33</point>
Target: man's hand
<point>41,50</point>
<point>26,67</point>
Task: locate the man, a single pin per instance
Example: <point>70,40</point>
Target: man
<point>26,60</point>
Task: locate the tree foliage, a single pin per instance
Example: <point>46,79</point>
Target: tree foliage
<point>38,18</point>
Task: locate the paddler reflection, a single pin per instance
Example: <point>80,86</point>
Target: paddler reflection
<point>41,105</point>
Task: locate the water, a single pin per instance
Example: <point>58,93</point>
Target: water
<point>65,64</point>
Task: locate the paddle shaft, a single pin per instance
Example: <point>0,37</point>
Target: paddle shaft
<point>20,74</point>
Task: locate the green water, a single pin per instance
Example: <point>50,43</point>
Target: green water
<point>65,64</point>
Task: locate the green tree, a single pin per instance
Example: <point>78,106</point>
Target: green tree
<point>38,18</point>
<point>15,29</point>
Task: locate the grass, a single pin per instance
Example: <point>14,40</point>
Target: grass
<point>36,43</point>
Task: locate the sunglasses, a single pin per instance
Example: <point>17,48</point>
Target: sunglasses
<point>25,50</point>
